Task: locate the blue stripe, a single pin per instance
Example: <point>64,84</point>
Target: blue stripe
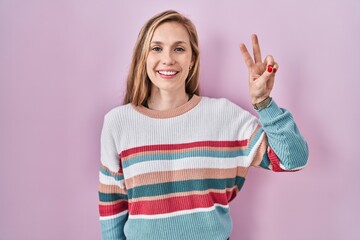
<point>184,186</point>
<point>215,224</point>
<point>112,228</point>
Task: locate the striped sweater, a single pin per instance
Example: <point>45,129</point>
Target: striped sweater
<point>171,174</point>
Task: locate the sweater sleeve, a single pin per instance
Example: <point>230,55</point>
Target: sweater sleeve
<point>282,147</point>
<point>113,204</point>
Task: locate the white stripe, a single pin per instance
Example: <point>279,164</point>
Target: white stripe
<point>186,163</point>
<point>107,180</point>
<point>255,148</point>
<point>114,216</point>
<point>178,213</point>
<point>292,169</point>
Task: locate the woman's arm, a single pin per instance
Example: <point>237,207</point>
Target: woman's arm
<point>282,147</point>
<point>113,204</point>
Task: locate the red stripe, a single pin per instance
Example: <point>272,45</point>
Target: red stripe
<point>232,194</point>
<point>113,209</point>
<point>239,143</point>
<point>174,204</point>
<point>275,162</point>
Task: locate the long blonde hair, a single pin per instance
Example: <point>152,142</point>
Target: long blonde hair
<point>138,83</point>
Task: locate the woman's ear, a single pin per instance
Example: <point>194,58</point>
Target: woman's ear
<point>192,62</point>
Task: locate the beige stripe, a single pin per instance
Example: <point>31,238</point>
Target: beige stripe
<point>182,194</point>
<point>111,189</point>
<point>242,171</point>
<point>111,203</point>
<point>188,174</point>
<point>169,113</point>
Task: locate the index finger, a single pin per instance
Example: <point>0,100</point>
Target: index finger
<point>246,55</point>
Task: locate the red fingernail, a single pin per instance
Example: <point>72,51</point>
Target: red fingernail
<point>270,68</point>
<point>274,70</point>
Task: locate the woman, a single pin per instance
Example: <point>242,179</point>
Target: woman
<point>171,161</point>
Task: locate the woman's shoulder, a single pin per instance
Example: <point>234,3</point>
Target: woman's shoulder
<point>220,103</point>
<point>225,110</point>
<point>118,111</point>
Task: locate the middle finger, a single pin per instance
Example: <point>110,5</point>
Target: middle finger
<point>256,48</point>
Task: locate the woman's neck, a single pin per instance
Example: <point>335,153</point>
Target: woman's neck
<point>163,101</point>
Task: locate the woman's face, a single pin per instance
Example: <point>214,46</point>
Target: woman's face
<point>170,58</point>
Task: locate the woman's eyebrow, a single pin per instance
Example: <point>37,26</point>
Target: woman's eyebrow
<point>175,43</point>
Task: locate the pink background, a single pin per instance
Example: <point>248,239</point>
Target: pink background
<point>63,65</point>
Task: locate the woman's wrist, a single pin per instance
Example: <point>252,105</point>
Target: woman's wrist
<point>258,105</point>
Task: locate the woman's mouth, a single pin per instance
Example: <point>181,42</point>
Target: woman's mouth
<point>167,74</point>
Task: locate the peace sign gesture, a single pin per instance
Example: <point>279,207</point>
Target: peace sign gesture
<point>261,73</point>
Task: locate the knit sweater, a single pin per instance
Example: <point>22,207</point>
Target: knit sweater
<point>171,174</point>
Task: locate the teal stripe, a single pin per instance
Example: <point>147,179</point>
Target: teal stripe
<point>184,186</point>
<point>108,173</point>
<point>239,182</point>
<point>111,197</point>
<point>265,162</point>
<point>214,225</point>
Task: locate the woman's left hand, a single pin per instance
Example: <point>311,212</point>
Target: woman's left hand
<point>261,73</point>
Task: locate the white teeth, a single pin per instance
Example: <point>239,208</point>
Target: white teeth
<point>167,73</point>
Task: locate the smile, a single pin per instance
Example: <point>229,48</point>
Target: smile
<point>168,73</point>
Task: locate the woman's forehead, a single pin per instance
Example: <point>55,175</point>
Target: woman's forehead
<point>173,32</point>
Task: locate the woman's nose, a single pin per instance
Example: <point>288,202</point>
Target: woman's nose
<point>168,58</point>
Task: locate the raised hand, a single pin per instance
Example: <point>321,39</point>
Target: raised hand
<point>261,73</point>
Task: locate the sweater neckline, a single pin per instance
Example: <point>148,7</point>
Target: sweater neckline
<point>171,112</point>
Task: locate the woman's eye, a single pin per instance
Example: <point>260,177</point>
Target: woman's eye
<point>156,49</point>
<point>179,49</point>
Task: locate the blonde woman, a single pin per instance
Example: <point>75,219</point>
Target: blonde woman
<point>172,160</point>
